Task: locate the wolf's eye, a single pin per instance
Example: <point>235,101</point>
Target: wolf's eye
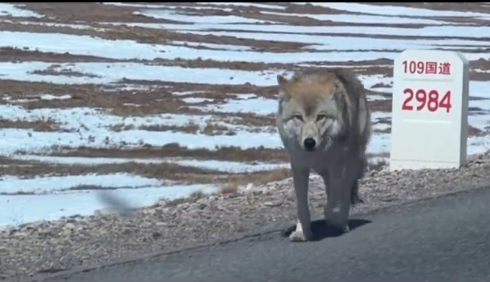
<point>320,117</point>
<point>298,117</point>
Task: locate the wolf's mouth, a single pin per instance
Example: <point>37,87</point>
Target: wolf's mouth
<point>309,149</point>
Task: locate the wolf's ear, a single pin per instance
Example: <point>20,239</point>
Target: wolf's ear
<point>283,85</point>
<point>282,81</point>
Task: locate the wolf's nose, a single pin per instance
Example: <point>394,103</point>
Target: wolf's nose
<point>309,143</point>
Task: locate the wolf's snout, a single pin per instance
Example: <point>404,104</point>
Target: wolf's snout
<point>309,144</point>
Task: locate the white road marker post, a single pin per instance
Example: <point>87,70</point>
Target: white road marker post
<point>429,127</point>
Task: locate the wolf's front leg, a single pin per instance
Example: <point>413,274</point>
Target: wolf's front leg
<point>338,185</point>
<point>303,230</point>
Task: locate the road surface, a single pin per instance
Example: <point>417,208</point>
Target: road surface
<point>444,239</point>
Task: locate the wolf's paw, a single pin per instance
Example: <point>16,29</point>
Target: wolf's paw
<point>300,236</point>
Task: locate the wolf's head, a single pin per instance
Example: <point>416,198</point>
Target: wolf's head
<point>310,111</point>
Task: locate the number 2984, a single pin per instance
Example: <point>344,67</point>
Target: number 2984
<point>431,100</point>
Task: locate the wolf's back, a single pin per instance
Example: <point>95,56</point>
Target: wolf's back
<point>360,118</point>
<point>359,114</point>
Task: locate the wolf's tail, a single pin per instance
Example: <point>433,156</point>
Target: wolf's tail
<point>354,194</point>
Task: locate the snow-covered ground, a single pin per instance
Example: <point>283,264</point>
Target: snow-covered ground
<point>50,197</point>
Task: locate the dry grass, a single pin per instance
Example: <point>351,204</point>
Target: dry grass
<point>210,128</point>
<point>233,184</point>
<point>9,54</point>
<point>378,155</point>
<point>6,161</point>
<point>228,188</point>
<point>172,150</point>
<point>166,171</point>
<point>187,128</point>
<point>473,131</point>
<point>382,131</point>
<point>249,119</point>
<point>191,199</point>
<point>384,106</point>
<point>55,69</point>
<point>45,124</point>
<point>213,129</point>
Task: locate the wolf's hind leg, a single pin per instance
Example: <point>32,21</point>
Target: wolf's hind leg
<point>339,183</point>
<point>354,196</point>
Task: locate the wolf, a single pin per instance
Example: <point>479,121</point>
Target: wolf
<point>324,123</point>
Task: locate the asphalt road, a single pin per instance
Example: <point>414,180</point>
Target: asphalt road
<point>442,239</point>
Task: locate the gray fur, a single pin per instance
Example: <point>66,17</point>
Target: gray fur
<point>330,107</point>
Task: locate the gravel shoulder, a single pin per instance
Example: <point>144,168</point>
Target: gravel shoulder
<point>49,247</point>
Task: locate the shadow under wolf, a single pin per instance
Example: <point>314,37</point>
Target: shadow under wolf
<point>321,229</point>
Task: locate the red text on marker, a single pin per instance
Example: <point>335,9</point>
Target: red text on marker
<point>421,67</point>
<point>426,99</point>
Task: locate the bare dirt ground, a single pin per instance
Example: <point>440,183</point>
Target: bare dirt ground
<point>49,247</point>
